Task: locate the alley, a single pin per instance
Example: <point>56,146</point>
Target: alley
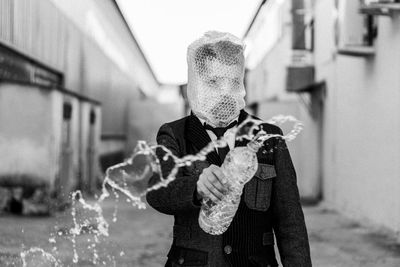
<point>86,85</point>
<point>142,238</point>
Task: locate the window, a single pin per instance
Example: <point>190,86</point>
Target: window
<point>303,26</point>
<point>300,72</point>
<point>302,32</point>
<point>380,7</point>
<point>357,31</point>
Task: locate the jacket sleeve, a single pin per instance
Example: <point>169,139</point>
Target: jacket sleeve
<point>288,223</point>
<point>178,196</point>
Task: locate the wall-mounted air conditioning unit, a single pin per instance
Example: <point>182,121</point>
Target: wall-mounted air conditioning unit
<point>380,7</point>
<point>300,78</point>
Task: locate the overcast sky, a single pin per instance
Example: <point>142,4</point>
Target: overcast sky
<point>164,28</point>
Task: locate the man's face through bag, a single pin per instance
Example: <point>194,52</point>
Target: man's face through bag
<point>215,86</point>
<point>222,88</point>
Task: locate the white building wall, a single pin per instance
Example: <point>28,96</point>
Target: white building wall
<point>362,123</point>
<point>266,86</point>
<point>325,54</point>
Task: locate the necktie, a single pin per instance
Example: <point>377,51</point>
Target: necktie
<point>219,132</point>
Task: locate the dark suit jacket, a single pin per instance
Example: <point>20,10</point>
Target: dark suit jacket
<point>269,204</point>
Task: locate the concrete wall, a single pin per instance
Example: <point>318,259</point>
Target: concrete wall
<point>304,149</point>
<point>361,145</point>
<point>28,139</point>
<point>40,148</point>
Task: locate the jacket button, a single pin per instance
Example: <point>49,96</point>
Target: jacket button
<point>181,260</point>
<point>228,249</point>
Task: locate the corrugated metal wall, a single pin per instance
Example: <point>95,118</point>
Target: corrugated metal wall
<point>36,28</point>
<point>6,20</point>
<point>62,36</point>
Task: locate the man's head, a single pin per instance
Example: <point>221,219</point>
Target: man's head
<point>215,77</point>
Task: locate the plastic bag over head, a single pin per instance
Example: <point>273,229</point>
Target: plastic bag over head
<point>215,77</point>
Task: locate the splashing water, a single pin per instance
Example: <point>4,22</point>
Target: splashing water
<point>131,178</point>
<point>38,257</point>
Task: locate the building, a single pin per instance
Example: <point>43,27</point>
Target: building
<point>334,64</point>
<point>71,78</point>
<point>274,52</point>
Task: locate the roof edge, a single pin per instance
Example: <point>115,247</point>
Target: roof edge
<point>134,39</point>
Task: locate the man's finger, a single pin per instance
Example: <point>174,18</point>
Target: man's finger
<point>201,189</point>
<point>214,191</point>
<point>207,194</point>
<point>219,175</point>
<point>216,183</point>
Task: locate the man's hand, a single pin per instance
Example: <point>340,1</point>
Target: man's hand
<point>212,184</point>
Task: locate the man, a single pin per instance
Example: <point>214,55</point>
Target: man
<point>270,201</point>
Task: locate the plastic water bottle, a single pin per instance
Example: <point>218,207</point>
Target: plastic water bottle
<point>239,167</point>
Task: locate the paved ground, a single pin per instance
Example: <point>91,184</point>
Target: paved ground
<point>338,242</point>
<point>142,237</point>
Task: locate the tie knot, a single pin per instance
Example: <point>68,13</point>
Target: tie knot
<point>219,131</point>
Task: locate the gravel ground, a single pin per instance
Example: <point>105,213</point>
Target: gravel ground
<point>142,238</point>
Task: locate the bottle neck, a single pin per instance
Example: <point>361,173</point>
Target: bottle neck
<point>254,146</point>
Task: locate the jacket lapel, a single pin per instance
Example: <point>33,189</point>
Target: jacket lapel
<point>197,135</point>
<point>242,116</point>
